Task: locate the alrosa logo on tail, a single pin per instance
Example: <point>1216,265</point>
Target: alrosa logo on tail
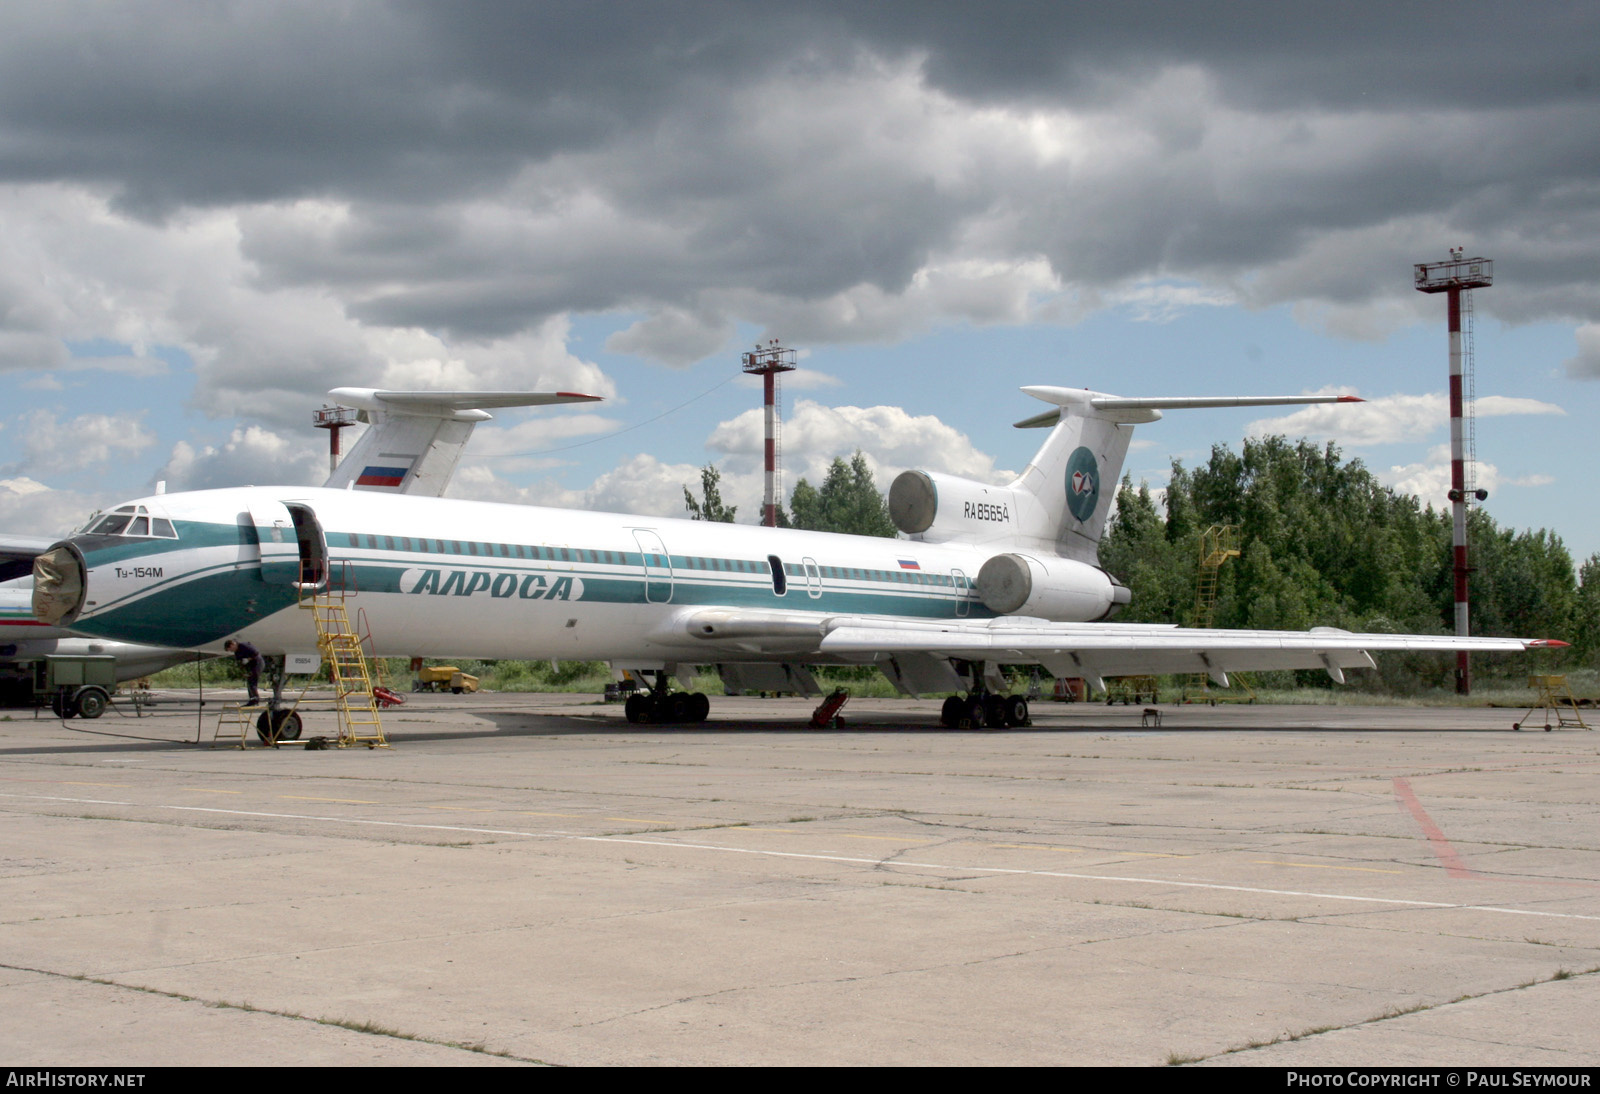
<point>1083,484</point>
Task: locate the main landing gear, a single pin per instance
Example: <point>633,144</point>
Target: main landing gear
<point>661,707</point>
<point>984,710</point>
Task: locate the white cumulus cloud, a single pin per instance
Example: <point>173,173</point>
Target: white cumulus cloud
<point>1429,480</point>
<point>1387,419</point>
<point>51,447</point>
<point>251,456</point>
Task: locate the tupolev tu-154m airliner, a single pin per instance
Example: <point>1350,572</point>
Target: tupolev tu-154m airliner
<point>987,575</point>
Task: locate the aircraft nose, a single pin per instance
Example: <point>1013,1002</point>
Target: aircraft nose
<point>58,585</point>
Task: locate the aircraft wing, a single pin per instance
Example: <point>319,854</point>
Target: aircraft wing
<point>1090,650</point>
<point>1087,649</point>
<point>17,554</point>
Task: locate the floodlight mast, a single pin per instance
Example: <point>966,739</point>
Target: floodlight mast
<point>333,419</point>
<point>767,361</point>
<point>1455,278</point>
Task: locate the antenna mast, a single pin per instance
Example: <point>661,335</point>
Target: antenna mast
<point>769,361</point>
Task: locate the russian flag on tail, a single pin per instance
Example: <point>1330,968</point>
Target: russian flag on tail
<point>382,476</point>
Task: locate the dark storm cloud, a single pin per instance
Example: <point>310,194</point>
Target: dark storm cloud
<point>1267,54</point>
<point>191,103</point>
<point>494,164</point>
<point>180,103</point>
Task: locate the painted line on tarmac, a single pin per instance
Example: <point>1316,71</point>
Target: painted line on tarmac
<point>1442,850</point>
<point>1211,886</point>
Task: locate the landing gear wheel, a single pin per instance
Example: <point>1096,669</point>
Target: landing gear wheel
<point>678,704</point>
<point>637,709</point>
<point>994,711</point>
<point>287,721</point>
<point>91,702</point>
<point>1015,710</point>
<point>950,713</point>
<point>974,712</point>
<point>699,707</point>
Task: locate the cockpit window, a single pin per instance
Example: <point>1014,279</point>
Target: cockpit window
<point>130,520</point>
<point>112,524</point>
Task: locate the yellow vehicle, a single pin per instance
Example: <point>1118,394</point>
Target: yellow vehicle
<point>440,677</point>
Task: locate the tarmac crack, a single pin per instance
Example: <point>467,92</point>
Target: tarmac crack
<point>886,974</point>
<point>1388,1015</point>
<point>365,1028</point>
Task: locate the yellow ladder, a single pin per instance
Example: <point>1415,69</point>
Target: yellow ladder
<point>239,718</point>
<point>1555,697</point>
<point>352,681</point>
<point>1218,544</point>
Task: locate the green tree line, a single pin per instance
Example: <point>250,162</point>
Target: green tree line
<point>1325,544</point>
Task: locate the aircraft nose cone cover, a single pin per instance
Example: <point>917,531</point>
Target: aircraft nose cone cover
<point>57,585</point>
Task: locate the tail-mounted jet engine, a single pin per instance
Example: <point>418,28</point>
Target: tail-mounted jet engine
<point>935,508</point>
<point>1058,589</point>
<point>938,508</point>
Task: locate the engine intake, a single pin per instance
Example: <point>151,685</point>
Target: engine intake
<point>939,507</point>
<point>1063,590</point>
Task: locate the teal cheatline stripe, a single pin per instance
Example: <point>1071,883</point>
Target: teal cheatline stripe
<point>629,588</point>
<point>192,613</point>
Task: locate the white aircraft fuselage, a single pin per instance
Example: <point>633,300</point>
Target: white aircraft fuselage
<point>487,580</point>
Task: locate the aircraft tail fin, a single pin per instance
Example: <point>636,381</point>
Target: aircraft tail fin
<point>414,439</point>
<point>1069,485</point>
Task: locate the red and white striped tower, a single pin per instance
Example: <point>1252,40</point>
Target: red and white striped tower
<point>1454,278</point>
<point>333,419</point>
<point>767,362</point>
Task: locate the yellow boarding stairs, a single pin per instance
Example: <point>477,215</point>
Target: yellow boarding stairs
<point>347,662</point>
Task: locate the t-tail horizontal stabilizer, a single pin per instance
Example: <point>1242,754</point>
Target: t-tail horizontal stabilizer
<point>415,437</point>
<point>1073,477</point>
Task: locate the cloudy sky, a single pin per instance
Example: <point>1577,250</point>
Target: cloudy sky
<point>212,213</point>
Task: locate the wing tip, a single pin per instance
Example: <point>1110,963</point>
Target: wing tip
<point>1546,644</point>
